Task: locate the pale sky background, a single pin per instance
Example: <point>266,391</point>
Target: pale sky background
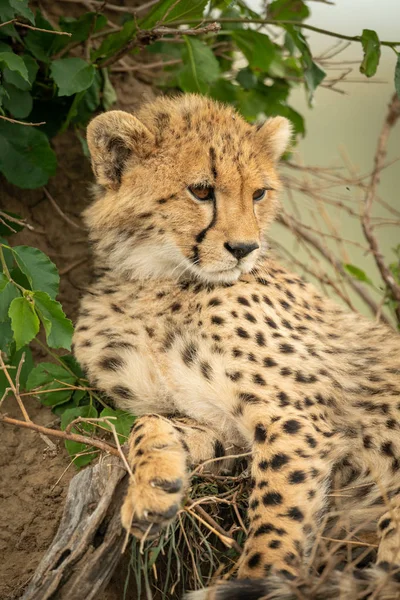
<point>351,122</point>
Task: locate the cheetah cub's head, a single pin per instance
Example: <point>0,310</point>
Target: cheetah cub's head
<point>186,188</point>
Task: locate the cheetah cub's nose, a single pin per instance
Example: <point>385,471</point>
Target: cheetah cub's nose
<point>241,249</point>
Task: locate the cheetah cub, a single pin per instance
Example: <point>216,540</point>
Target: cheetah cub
<point>193,326</point>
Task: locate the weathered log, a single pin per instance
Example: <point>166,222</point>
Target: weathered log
<point>89,540</point>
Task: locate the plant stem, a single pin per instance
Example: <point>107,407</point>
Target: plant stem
<point>341,36</point>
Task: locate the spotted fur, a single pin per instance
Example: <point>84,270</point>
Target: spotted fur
<point>246,353</point>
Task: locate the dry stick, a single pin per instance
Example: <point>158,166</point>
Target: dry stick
<point>22,122</point>
<point>15,387</point>
<point>335,262</point>
<point>147,66</point>
<point>391,119</point>
<point>73,266</point>
<point>143,38</point>
<point>232,542</point>
<point>60,212</point>
<point>73,437</point>
<point>20,222</point>
<point>15,22</point>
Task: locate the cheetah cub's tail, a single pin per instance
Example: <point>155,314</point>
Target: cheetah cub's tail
<point>381,582</point>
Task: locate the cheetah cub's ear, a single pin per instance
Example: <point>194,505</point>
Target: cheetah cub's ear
<point>275,134</point>
<point>114,138</point>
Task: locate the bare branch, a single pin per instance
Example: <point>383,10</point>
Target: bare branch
<point>15,386</point>
<point>391,119</point>
<point>60,212</point>
<point>21,122</point>
<point>73,437</point>
<point>335,262</point>
<point>15,22</point>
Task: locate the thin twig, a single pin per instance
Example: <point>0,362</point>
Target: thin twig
<point>60,212</point>
<point>202,513</point>
<point>335,262</point>
<point>73,437</point>
<point>391,119</point>
<point>15,22</point>
<point>73,266</point>
<point>22,122</point>
<point>15,386</point>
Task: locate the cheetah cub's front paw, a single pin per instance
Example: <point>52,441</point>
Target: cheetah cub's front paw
<point>158,463</point>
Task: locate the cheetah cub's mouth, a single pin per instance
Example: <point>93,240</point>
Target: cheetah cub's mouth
<point>185,190</point>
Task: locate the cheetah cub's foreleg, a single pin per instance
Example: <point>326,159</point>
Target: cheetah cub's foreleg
<point>291,469</point>
<point>160,454</point>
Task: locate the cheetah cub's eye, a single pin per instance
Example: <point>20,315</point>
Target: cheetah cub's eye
<point>259,194</point>
<point>201,192</point>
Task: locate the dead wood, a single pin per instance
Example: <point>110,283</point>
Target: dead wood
<point>89,540</point>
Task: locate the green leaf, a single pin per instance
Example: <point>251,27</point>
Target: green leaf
<point>246,78</point>
<point>26,158</point>
<point>85,103</point>
<point>397,76</point>
<point>41,272</point>
<point>15,78</point>
<point>201,67</point>
<point>3,95</point>
<point>24,321</point>
<point>358,273</point>
<point>19,103</point>
<point>257,48</point>
<point>48,376</point>
<point>70,361</point>
<point>6,336</point>
<point>40,43</point>
<point>21,8</point>
<point>7,294</point>
<point>123,424</point>
<point>75,448</point>
<point>313,76</point>
<point>115,41</point>
<point>72,75</point>
<point>58,328</point>
<point>184,9</point>
<point>13,62</point>
<point>224,91</point>
<point>372,52</point>
<point>81,28</point>
<point>288,10</point>
<point>109,94</point>
<point>10,8</point>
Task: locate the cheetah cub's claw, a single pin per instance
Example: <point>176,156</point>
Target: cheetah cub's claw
<point>152,501</point>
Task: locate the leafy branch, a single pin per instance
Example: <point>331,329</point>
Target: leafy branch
<point>283,22</point>
<point>144,38</point>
